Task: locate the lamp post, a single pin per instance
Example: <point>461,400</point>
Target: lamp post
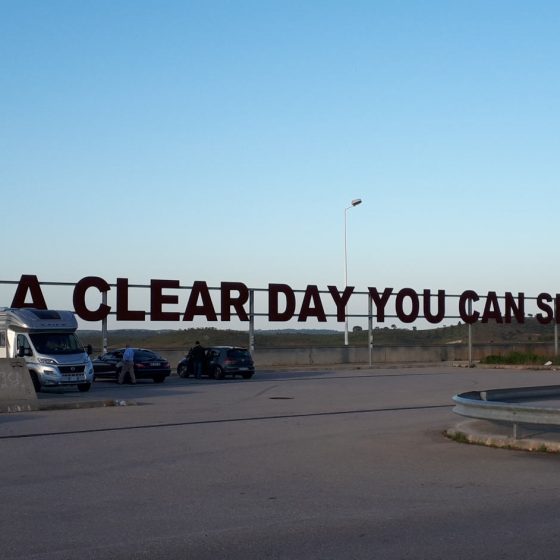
<point>355,202</point>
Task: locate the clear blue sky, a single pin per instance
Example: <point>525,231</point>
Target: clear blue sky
<point>222,140</point>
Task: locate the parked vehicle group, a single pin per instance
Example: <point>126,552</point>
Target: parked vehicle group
<point>219,362</point>
<point>214,362</point>
<point>54,356</point>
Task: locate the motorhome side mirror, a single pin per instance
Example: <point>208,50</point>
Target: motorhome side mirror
<point>21,352</point>
<point>89,349</point>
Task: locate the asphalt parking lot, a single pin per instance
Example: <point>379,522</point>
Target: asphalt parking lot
<point>337,464</point>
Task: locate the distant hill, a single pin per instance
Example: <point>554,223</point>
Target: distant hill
<point>531,331</point>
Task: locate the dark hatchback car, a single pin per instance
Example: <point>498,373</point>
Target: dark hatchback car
<point>220,361</point>
<point>147,365</point>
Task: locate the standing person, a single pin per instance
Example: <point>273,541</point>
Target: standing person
<point>128,366</point>
<point>197,354</point>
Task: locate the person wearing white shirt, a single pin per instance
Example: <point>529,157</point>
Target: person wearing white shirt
<point>127,366</point>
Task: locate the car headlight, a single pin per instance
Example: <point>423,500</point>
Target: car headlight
<point>47,361</point>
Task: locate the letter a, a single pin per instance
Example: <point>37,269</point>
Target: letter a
<point>29,282</point>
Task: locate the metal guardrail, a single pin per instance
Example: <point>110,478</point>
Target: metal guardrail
<point>504,406</point>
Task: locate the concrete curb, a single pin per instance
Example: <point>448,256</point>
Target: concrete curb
<point>527,367</point>
<point>361,366</point>
<point>481,432</point>
<point>85,404</point>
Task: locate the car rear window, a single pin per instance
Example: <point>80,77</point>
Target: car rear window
<point>145,355</point>
<point>238,354</point>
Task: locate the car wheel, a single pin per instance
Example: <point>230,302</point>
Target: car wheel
<point>84,387</point>
<point>246,375</point>
<point>182,370</point>
<point>218,373</point>
<point>158,378</point>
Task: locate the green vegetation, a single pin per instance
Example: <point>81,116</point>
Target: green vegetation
<point>384,334</point>
<point>519,358</point>
<point>459,437</point>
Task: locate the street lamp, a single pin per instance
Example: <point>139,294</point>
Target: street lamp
<point>355,202</point>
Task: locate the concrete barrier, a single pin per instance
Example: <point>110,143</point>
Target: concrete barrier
<point>380,355</point>
<point>16,388</point>
<point>323,356</point>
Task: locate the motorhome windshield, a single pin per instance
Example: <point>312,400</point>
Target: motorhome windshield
<point>56,343</point>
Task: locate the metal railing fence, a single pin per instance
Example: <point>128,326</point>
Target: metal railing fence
<point>255,305</point>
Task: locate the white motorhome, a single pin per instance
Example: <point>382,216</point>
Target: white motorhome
<point>47,340</point>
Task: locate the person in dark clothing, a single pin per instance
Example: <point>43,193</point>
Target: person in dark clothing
<point>197,356</point>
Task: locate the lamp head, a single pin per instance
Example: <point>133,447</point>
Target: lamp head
<point>356,201</point>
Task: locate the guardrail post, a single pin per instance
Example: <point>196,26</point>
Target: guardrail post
<point>104,343</point>
<point>252,320</point>
<point>514,430</point>
<point>470,336</point>
<point>370,331</point>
